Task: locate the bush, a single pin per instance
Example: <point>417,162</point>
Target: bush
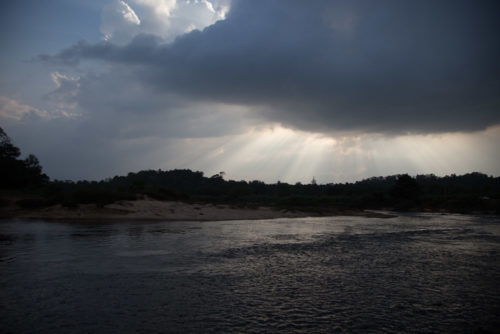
<point>32,203</point>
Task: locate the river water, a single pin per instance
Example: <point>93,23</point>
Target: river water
<point>420,273</point>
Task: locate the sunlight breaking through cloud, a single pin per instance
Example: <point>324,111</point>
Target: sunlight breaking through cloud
<point>269,90</point>
<point>280,154</point>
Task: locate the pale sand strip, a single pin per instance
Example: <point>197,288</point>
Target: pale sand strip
<point>148,209</point>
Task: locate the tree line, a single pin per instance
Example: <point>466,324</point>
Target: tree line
<point>18,173</point>
<point>473,192</point>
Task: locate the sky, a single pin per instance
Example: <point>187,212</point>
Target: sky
<point>338,90</point>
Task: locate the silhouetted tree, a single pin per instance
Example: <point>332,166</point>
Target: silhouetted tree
<point>466,193</point>
<point>405,188</point>
<point>33,171</point>
<point>15,172</point>
<point>8,152</point>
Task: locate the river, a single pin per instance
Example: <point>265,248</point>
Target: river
<point>417,273</point>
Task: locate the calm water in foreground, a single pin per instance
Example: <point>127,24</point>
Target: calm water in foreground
<point>415,273</point>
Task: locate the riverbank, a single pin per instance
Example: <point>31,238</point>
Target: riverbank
<point>149,209</point>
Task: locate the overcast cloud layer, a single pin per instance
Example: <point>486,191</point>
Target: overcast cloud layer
<point>372,66</point>
<point>260,89</point>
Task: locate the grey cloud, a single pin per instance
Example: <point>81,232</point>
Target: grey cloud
<point>386,66</point>
<point>117,106</point>
<point>109,141</point>
<point>75,149</point>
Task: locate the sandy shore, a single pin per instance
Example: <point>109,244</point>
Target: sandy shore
<point>148,209</point>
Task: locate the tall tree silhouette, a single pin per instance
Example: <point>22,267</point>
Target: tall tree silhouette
<point>8,152</point>
<point>405,188</point>
<point>15,172</point>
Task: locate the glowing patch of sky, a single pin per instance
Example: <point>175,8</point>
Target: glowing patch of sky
<point>280,154</point>
<point>256,150</point>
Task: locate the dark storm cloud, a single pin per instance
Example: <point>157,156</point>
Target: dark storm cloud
<point>376,66</point>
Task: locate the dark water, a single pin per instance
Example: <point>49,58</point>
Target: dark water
<point>416,273</point>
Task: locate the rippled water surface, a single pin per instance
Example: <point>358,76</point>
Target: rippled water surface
<point>416,273</point>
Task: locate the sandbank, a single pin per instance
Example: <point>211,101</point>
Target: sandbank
<point>149,209</point>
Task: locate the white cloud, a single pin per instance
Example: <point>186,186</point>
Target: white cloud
<point>119,22</point>
<point>14,111</point>
<point>164,18</point>
<point>64,98</point>
<point>132,122</point>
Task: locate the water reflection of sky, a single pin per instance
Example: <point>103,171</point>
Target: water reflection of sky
<point>269,274</point>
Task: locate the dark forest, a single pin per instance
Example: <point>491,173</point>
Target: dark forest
<point>23,181</point>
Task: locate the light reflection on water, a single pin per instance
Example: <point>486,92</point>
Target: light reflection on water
<point>414,273</point>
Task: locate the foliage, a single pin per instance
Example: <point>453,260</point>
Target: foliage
<point>17,173</point>
<point>466,193</point>
<point>473,192</point>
